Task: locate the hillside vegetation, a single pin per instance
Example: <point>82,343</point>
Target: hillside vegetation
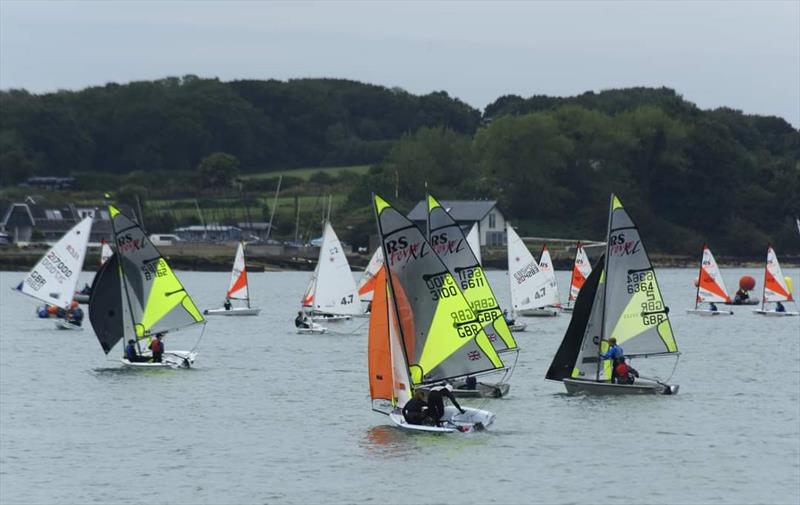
<point>687,175</point>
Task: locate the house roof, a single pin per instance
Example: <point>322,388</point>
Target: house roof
<point>460,210</point>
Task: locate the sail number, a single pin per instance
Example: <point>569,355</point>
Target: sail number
<point>53,264</point>
<point>155,268</point>
<point>440,288</point>
<point>468,330</point>
<point>347,299</point>
<point>470,278</point>
<point>641,281</point>
<point>653,312</point>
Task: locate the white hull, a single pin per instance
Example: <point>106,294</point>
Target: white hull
<point>517,327</point>
<point>709,312</point>
<point>539,312</point>
<point>772,313</point>
<point>330,318</point>
<point>641,387</point>
<point>452,421</point>
<point>170,359</point>
<point>314,330</point>
<point>62,324</point>
<point>235,311</point>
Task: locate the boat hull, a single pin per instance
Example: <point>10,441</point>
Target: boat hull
<point>707,312</point>
<point>330,318</point>
<point>453,421</point>
<point>641,387</point>
<point>772,313</point>
<point>61,324</point>
<point>482,390</point>
<point>170,359</point>
<point>539,312</point>
<point>518,327</point>
<point>314,330</point>
<point>236,311</point>
<point>749,301</point>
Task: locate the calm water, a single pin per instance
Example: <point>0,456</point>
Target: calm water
<point>268,416</point>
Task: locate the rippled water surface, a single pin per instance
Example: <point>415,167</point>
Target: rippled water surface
<point>268,416</point>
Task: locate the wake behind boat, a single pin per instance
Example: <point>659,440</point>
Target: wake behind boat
<point>238,289</point>
<point>620,300</point>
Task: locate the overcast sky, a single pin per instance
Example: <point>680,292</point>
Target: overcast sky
<point>744,55</point>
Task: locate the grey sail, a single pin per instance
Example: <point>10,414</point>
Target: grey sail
<point>105,305</point>
<point>448,240</point>
<point>442,335</point>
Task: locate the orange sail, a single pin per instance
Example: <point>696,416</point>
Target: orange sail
<point>380,359</point>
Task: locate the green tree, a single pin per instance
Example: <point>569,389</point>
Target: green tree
<point>218,170</point>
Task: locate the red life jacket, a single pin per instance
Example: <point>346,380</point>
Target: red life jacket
<point>622,370</point>
<point>155,346</point>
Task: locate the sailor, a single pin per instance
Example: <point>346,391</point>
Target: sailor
<point>615,354</point>
<point>301,321</point>
<point>130,353</point>
<point>780,308</point>
<point>713,307</point>
<point>76,316</point>
<point>414,411</point>
<point>508,320</point>
<point>625,373</point>
<point>157,347</point>
<point>227,304</point>
<point>741,296</point>
<point>436,402</point>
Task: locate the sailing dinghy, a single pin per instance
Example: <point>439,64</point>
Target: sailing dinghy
<point>710,288</point>
<point>449,243</point>
<point>331,294</point>
<point>54,277</point>
<point>620,299</point>
<point>775,289</point>
<point>581,268</point>
<point>422,329</point>
<point>136,295</point>
<point>238,289</point>
<point>531,290</point>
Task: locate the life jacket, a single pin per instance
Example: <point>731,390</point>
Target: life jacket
<point>156,346</point>
<point>622,370</point>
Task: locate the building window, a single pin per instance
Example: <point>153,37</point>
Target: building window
<point>495,238</point>
<point>492,220</point>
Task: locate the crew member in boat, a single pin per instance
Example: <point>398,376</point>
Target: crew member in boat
<point>615,354</point>
<point>625,373</point>
<point>75,316</point>
<point>130,353</point>
<point>227,304</point>
<point>741,296</point>
<point>509,321</point>
<point>301,321</point>
<point>414,411</point>
<point>713,307</point>
<point>436,402</point>
<point>157,347</point>
<point>780,308</point>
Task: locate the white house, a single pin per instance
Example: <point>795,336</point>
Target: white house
<point>491,222</point>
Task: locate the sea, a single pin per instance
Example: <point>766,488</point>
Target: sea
<point>268,416</point>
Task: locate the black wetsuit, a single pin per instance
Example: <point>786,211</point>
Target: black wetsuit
<point>300,322</point>
<point>436,403</point>
<point>130,354</point>
<point>412,411</point>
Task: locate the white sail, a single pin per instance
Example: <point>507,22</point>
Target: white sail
<point>775,288</point>
<point>105,252</point>
<point>528,283</point>
<point>580,272</point>
<point>366,285</point>
<point>334,290</point>
<point>55,276</point>
<point>546,266</point>
<point>710,286</point>
<point>238,286</point>
<point>401,382</point>
<point>474,241</point>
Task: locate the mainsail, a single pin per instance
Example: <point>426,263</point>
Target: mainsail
<point>627,304</point>
<point>53,279</point>
<point>238,286</point>
<point>447,239</point>
<point>367,284</point>
<point>442,336</point>
<point>108,314</point>
<point>332,289</point>
<point>775,288</point>
<point>580,272</point>
<point>710,286</point>
<point>474,241</point>
<point>152,298</point>
<point>529,285</point>
<point>546,266</point>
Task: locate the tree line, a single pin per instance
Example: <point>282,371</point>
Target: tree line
<point>688,175</point>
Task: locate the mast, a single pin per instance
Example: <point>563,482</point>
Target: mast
<point>605,285</point>
<point>244,271</point>
<point>764,287</point>
<point>272,214</point>
<point>699,278</point>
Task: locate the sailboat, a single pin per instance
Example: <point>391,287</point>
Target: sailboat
<point>54,277</point>
<point>546,266</point>
<point>366,286</point>
<point>238,289</point>
<point>136,295</point>
<point>775,288</point>
<point>422,329</point>
<point>474,241</point>
<point>581,268</point>
<point>531,290</point>
<point>449,243</point>
<point>620,299</point>
<point>331,293</point>
<point>710,288</point>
